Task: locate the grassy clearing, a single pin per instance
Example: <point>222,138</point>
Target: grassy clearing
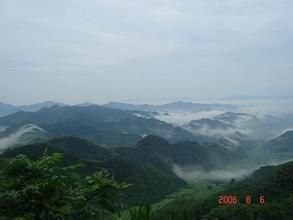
<point>197,190</point>
<point>200,189</point>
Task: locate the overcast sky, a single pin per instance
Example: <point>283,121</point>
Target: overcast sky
<point>97,51</point>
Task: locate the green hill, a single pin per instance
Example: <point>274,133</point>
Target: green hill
<point>283,143</point>
<point>274,183</point>
<point>187,152</point>
<point>149,181</point>
<point>96,123</point>
<point>148,165</point>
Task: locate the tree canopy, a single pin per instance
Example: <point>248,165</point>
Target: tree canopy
<point>43,189</point>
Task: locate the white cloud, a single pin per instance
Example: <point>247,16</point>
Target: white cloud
<point>17,137</point>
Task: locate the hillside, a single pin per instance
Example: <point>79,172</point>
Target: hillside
<point>149,182</point>
<point>19,136</point>
<point>160,151</point>
<point>148,165</point>
<point>96,123</point>
<point>283,143</point>
<point>7,109</point>
<point>274,183</point>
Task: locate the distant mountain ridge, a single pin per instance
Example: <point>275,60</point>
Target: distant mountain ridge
<point>174,106</point>
<point>7,109</point>
<point>241,128</point>
<point>99,124</point>
<point>38,106</point>
<point>283,143</point>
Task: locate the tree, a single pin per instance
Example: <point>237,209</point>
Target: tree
<point>43,190</point>
<point>232,181</point>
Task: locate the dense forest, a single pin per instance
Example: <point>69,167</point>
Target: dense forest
<point>77,162</point>
<point>45,180</point>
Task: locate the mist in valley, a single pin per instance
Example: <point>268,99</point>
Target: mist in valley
<point>195,173</point>
<point>266,118</point>
<point>275,114</point>
<point>22,135</point>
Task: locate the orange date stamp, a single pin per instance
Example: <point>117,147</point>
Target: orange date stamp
<point>233,200</point>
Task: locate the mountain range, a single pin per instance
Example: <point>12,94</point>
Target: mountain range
<point>174,106</point>
<point>239,128</point>
<point>7,109</point>
<point>137,148</point>
<point>282,143</point>
<point>99,124</point>
<point>148,164</point>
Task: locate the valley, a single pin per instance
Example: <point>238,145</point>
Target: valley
<point>168,165</point>
<point>146,110</point>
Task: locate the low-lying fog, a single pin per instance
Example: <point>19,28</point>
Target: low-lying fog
<point>181,118</point>
<point>17,137</point>
<point>196,173</point>
<point>275,107</point>
<point>274,116</point>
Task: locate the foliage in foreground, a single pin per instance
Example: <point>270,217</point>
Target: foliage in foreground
<point>43,190</point>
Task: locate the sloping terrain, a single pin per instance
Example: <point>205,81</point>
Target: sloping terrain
<point>149,182</point>
<point>148,165</point>
<point>274,183</point>
<point>283,143</point>
<point>96,123</point>
<point>7,109</point>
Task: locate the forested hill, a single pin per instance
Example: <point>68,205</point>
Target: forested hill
<point>147,165</point>
<point>98,124</point>
<point>267,194</point>
<point>283,143</point>
<point>273,184</point>
<point>149,182</point>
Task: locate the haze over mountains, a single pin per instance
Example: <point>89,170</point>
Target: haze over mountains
<point>131,151</point>
<point>184,100</point>
<point>174,106</point>
<point>282,143</point>
<point>222,135</point>
<point>7,109</point>
<point>143,145</point>
<point>120,123</point>
<point>222,132</point>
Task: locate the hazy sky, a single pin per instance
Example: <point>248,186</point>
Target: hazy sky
<point>86,50</point>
